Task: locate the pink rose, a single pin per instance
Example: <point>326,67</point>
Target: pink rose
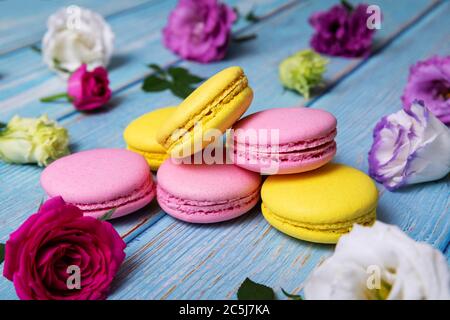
<point>199,30</point>
<point>39,253</point>
<point>89,89</point>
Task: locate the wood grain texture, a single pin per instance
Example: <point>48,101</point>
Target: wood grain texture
<point>211,261</point>
<point>13,192</point>
<point>24,21</point>
<point>170,259</point>
<point>138,43</point>
<point>104,129</point>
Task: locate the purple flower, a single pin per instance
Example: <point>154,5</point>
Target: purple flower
<point>429,80</point>
<point>341,32</point>
<point>410,146</point>
<point>199,30</point>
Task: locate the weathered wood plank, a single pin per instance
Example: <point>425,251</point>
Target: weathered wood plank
<point>177,260</point>
<point>24,21</point>
<point>22,180</point>
<point>138,43</point>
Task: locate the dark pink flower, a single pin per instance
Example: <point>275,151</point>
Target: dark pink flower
<point>429,81</point>
<point>89,89</point>
<point>38,254</point>
<point>342,32</point>
<point>199,30</point>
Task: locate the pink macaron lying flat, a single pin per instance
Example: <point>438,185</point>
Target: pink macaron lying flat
<point>202,193</point>
<point>284,140</point>
<point>99,180</point>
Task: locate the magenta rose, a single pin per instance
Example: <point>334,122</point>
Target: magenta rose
<point>89,90</point>
<point>199,30</point>
<point>40,255</point>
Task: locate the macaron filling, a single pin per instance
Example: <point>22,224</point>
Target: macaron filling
<point>206,207</point>
<point>148,189</point>
<point>212,108</point>
<point>150,155</point>
<point>286,147</point>
<point>303,155</point>
<point>310,149</point>
<point>339,227</point>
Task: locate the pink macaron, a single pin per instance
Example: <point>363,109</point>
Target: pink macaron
<point>284,140</point>
<point>202,193</point>
<point>99,180</point>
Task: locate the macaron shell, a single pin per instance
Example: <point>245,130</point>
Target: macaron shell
<point>216,182</point>
<point>127,208</point>
<point>293,124</point>
<point>332,195</point>
<point>198,108</point>
<point>211,217</point>
<point>303,233</point>
<point>153,159</point>
<point>284,140</point>
<point>99,177</point>
<point>211,193</point>
<point>221,120</point>
<point>140,136</point>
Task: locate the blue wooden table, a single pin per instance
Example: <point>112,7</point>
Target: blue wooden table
<point>169,259</point>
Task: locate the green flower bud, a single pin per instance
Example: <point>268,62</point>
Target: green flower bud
<point>29,140</point>
<point>303,71</point>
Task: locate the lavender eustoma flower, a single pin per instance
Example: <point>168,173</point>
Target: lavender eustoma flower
<point>199,30</point>
<point>429,81</point>
<point>342,32</point>
<point>410,146</point>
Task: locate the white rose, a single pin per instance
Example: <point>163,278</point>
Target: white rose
<point>75,36</point>
<point>380,262</point>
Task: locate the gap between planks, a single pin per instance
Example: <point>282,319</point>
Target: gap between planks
<point>433,6</point>
<point>115,14</point>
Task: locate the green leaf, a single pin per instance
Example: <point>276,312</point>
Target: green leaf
<point>292,296</point>
<point>2,252</point>
<point>153,83</point>
<point>244,38</point>
<point>251,17</point>
<point>156,68</point>
<point>107,215</point>
<point>183,75</point>
<point>250,290</point>
<point>181,90</point>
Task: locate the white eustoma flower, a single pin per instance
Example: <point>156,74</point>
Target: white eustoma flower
<point>76,36</point>
<point>410,146</point>
<point>380,262</point>
<point>30,140</point>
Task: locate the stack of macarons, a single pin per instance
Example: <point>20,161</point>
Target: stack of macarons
<point>304,195</point>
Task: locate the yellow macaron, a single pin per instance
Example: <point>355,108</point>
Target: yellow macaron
<point>319,205</point>
<point>216,104</point>
<point>140,136</point>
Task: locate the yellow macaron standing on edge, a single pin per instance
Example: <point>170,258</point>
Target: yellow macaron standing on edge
<point>140,136</point>
<point>216,104</point>
<point>320,205</point>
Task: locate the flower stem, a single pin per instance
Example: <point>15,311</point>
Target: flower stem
<point>55,97</point>
<point>245,38</point>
